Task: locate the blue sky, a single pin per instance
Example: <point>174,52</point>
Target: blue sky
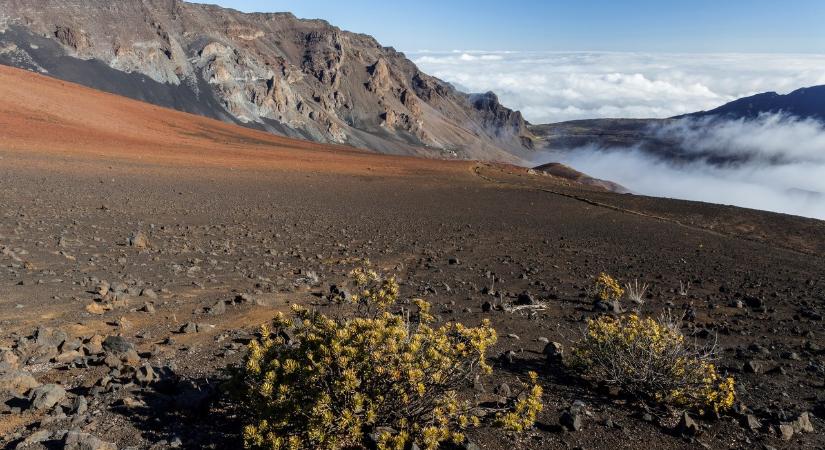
<point>756,26</point>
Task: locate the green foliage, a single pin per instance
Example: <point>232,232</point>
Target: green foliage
<point>338,378</point>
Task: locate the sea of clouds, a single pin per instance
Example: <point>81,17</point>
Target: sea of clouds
<point>557,86</point>
<point>777,163</point>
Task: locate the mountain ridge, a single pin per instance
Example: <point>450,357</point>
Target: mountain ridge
<point>296,77</point>
<point>804,103</point>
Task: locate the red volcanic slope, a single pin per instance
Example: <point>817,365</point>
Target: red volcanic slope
<point>45,118</point>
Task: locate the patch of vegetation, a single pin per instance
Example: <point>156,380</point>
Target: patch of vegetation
<point>607,288</point>
<point>321,382</point>
<point>650,358</point>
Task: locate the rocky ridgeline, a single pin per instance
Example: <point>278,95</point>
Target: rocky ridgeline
<point>303,78</point>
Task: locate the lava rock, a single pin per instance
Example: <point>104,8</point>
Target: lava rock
<point>50,337</point>
<point>687,426</point>
<point>218,308</point>
<point>190,327</point>
<point>571,421</point>
<point>754,302</point>
<point>117,345</point>
<point>503,390</point>
<point>751,422</point>
<point>145,375</point>
<point>17,382</point>
<point>525,298</point>
<point>803,424</point>
<point>77,440</point>
<point>786,431</point>
<point>753,367</point>
<point>554,352</point>
<point>139,240</point>
<point>46,396</point>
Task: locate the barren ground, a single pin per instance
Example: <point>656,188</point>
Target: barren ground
<point>230,211</point>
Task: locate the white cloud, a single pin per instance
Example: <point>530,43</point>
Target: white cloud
<point>781,160</point>
<point>552,87</point>
<point>779,164</point>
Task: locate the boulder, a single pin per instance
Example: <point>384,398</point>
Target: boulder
<point>803,424</point>
<point>139,240</point>
<point>525,298</point>
<point>33,439</point>
<point>218,308</point>
<point>145,375</point>
<point>754,367</point>
<point>571,421</point>
<point>117,344</point>
<point>94,346</point>
<point>786,431</point>
<point>77,440</point>
<point>50,337</point>
<point>751,422</point>
<point>8,361</point>
<point>17,382</point>
<point>554,352</point>
<point>97,308</point>
<point>687,426</point>
<point>45,397</point>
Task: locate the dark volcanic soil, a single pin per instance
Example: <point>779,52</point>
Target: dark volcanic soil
<point>230,211</point>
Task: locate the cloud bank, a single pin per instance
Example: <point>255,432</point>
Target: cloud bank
<point>553,87</point>
<point>774,163</point>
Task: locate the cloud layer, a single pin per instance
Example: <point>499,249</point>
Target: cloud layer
<point>553,87</point>
<point>778,164</point>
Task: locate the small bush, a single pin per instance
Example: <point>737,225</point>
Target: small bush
<point>650,359</point>
<point>524,412</point>
<point>607,288</point>
<point>321,382</point>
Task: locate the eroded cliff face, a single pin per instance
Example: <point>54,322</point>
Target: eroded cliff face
<point>277,72</point>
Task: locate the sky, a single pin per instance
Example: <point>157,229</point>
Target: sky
<point>763,26</point>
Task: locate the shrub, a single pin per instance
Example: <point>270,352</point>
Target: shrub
<point>525,410</point>
<point>607,288</point>
<point>315,381</point>
<point>650,359</point>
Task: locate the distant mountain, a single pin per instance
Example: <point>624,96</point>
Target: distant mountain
<point>645,134</point>
<point>293,77</point>
<point>805,103</point>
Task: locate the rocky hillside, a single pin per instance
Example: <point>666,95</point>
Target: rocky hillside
<point>300,78</point>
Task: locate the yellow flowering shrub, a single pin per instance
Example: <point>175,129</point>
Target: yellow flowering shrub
<point>650,359</point>
<point>607,288</point>
<point>523,414</point>
<point>319,382</point>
